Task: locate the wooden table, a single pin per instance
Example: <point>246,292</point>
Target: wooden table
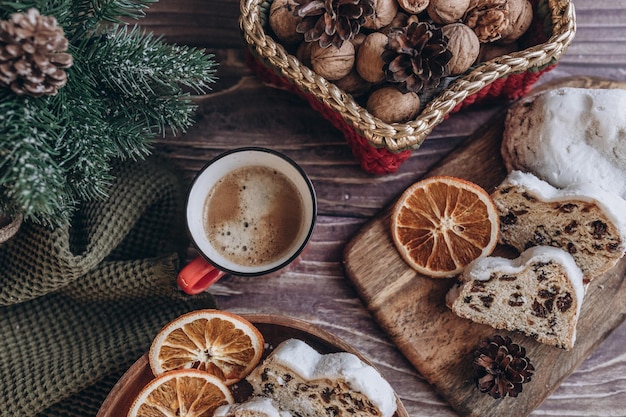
<point>242,111</point>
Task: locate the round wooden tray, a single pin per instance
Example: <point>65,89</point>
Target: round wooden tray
<point>275,329</point>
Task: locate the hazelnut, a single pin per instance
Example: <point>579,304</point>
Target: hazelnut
<point>413,6</point>
<point>464,45</point>
<point>398,21</point>
<point>332,63</point>
<point>303,53</point>
<point>384,12</point>
<point>354,84</point>
<point>358,39</point>
<point>283,22</point>
<point>369,61</point>
<point>492,50</point>
<point>392,106</point>
<point>520,18</point>
<point>447,11</point>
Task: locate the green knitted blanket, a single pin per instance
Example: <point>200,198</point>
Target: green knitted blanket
<point>80,304</point>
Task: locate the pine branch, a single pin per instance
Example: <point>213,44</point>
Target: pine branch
<point>124,88</point>
<point>30,178</point>
<point>144,72</point>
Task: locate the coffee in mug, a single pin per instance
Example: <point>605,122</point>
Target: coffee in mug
<point>250,211</point>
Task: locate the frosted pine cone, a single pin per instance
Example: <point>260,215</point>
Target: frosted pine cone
<point>501,367</point>
<point>32,54</point>
<point>331,22</point>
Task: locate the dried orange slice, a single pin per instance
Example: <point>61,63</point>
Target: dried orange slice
<point>440,224</point>
<point>182,393</point>
<point>221,343</point>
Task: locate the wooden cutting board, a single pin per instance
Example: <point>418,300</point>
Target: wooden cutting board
<point>411,308</point>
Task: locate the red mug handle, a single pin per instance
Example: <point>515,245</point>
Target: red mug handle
<point>198,275</point>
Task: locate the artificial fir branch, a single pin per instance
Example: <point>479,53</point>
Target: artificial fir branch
<point>124,88</point>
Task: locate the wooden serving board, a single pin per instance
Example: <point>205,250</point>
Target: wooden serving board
<point>411,308</point>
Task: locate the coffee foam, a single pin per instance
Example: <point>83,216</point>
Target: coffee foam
<point>253,216</point>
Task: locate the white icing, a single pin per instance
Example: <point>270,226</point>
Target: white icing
<point>482,268</point>
<point>262,405</point>
<point>582,138</point>
<point>311,365</point>
<point>613,206</point>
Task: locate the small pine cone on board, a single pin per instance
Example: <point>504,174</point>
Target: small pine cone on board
<point>33,54</point>
<point>500,367</point>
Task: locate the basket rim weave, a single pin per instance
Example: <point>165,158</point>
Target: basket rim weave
<point>397,137</point>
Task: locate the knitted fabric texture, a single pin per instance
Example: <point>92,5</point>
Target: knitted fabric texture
<point>80,304</point>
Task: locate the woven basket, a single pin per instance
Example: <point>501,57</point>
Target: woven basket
<point>381,147</point>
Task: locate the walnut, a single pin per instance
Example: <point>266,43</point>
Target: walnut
<point>487,18</point>
<point>369,61</point>
<point>447,11</point>
<point>384,12</point>
<point>332,63</point>
<point>464,45</point>
<point>520,18</point>
<point>413,6</point>
<point>354,84</point>
<point>392,106</point>
<point>283,22</point>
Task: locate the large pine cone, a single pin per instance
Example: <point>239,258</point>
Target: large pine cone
<point>32,54</point>
<point>500,367</point>
<point>416,57</point>
<point>331,22</point>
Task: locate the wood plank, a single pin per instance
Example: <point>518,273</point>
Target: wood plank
<point>411,307</point>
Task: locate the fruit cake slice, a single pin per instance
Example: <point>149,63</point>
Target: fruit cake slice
<point>309,384</point>
<point>587,222</point>
<point>253,407</point>
<point>540,293</point>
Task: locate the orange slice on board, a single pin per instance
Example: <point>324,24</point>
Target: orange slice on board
<point>218,342</point>
<point>182,393</point>
<point>441,224</point>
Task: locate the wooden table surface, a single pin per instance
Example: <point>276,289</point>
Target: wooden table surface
<point>242,111</point>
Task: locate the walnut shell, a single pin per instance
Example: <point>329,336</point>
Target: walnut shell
<point>384,12</point>
<point>413,6</point>
<point>464,45</point>
<point>369,61</point>
<point>392,106</point>
<point>332,63</point>
<point>520,19</point>
<point>283,22</point>
<point>447,11</point>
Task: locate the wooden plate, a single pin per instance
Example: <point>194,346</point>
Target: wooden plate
<point>275,329</point>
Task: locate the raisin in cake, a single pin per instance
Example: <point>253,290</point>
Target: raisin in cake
<point>569,136</point>
<point>309,384</point>
<point>539,293</point>
<point>253,407</point>
<point>587,222</point>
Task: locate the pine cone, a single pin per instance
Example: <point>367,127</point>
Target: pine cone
<point>488,18</point>
<point>331,22</point>
<point>500,367</point>
<point>417,57</point>
<point>32,54</point>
